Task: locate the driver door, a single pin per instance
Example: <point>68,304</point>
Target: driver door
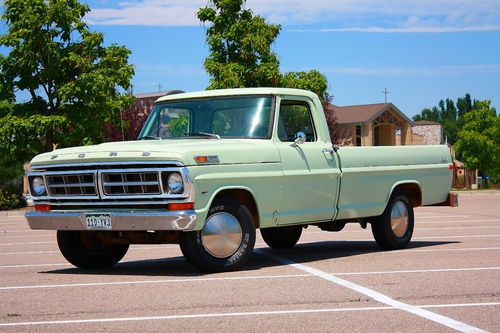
<point>310,175</point>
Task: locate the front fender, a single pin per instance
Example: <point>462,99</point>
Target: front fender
<point>202,212</point>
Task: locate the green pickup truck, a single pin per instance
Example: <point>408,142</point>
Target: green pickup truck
<point>211,167</point>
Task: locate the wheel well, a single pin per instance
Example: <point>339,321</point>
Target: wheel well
<point>246,199</point>
<point>414,193</point>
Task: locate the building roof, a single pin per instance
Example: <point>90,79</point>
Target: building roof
<point>156,94</point>
<point>355,114</point>
<point>425,123</point>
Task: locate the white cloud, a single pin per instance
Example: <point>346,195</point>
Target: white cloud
<point>344,15</point>
<point>414,71</point>
<point>413,29</point>
<point>148,12</point>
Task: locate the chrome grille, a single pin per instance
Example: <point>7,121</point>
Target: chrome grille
<point>131,183</point>
<point>71,184</point>
<point>112,184</point>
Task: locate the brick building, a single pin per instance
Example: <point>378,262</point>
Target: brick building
<point>383,124</point>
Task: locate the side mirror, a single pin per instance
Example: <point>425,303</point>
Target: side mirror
<point>300,138</point>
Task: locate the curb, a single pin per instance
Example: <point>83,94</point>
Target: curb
<point>474,192</point>
<point>12,213</point>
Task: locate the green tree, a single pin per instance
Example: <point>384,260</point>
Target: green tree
<point>73,80</point>
<point>240,46</point>
<point>240,51</point>
<point>464,105</point>
<point>449,114</point>
<point>312,80</point>
<point>428,114</point>
<point>479,139</point>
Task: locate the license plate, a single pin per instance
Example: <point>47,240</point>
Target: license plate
<point>98,221</point>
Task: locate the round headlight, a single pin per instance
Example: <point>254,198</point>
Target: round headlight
<point>175,183</point>
<point>38,186</point>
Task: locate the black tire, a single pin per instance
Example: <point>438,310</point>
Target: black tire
<point>281,237</point>
<point>85,250</point>
<point>198,254</point>
<point>394,236</point>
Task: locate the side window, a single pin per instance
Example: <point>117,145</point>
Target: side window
<point>295,116</point>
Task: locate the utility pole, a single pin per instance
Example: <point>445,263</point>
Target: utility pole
<point>159,87</point>
<point>385,92</point>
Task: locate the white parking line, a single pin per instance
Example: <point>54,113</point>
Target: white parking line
<point>445,250</point>
<point>27,236</point>
<point>26,252</point>
<point>209,279</point>
<point>188,280</point>
<point>35,265</point>
<point>448,237</point>
<point>27,243</point>
<point>246,314</point>
<point>461,228</point>
<point>416,228</point>
<point>440,270</point>
<point>442,216</point>
<point>263,244</point>
<point>454,237</point>
<point>379,297</point>
<point>454,221</point>
<point>460,305</point>
<point>27,230</point>
<point>10,229</point>
<point>162,247</point>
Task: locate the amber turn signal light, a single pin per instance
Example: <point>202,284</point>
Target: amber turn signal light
<point>42,208</point>
<point>201,159</point>
<point>181,206</point>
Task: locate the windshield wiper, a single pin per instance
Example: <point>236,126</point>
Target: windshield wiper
<point>150,137</point>
<point>205,134</point>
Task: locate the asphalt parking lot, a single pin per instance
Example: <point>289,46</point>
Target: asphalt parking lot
<point>449,279</point>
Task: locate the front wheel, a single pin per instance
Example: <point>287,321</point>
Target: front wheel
<point>226,240</point>
<point>393,229</point>
<point>85,249</point>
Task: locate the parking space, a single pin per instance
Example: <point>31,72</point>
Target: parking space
<point>449,279</point>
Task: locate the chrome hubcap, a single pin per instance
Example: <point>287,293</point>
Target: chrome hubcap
<point>399,219</point>
<point>221,236</point>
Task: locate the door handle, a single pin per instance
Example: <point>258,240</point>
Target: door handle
<point>334,149</point>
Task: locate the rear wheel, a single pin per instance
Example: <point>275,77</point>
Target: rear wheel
<point>393,229</point>
<point>281,237</point>
<point>226,240</point>
<point>85,249</point>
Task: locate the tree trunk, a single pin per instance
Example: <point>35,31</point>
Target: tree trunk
<point>49,140</point>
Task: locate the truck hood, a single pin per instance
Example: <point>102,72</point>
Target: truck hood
<point>229,151</point>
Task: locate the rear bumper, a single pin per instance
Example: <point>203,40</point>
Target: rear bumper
<point>122,221</point>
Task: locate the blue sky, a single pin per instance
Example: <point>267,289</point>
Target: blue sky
<point>421,51</point>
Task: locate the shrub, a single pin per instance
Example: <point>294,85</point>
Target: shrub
<point>11,184</point>
<point>8,200</point>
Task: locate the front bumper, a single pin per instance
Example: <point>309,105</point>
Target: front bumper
<point>121,221</point>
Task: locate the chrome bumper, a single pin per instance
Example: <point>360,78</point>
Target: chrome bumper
<point>124,221</point>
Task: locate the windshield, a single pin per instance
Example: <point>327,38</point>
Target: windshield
<point>222,117</point>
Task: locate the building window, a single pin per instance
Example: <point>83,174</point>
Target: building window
<point>358,135</point>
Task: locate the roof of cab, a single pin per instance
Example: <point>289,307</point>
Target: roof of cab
<point>238,92</point>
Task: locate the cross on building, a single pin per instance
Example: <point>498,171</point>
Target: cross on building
<point>385,92</point>
<point>159,86</point>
